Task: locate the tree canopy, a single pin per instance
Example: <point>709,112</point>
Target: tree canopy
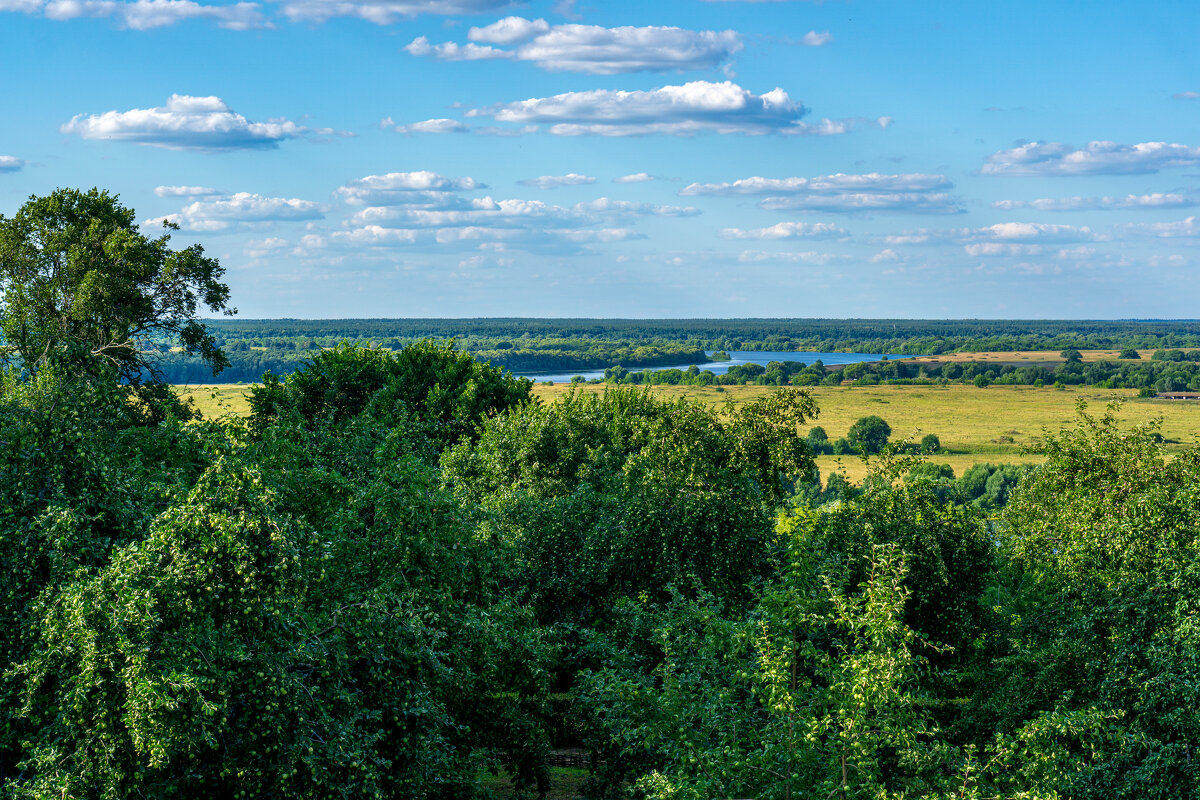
<point>79,278</point>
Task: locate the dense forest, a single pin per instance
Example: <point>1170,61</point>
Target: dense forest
<point>401,577</point>
<point>564,345</point>
<point>1165,371</point>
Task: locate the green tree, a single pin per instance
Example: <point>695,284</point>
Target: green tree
<point>445,389</point>
<point>603,496</point>
<point>79,279</point>
<point>1091,682</point>
<point>869,434</point>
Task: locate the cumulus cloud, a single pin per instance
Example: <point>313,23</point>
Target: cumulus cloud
<point>600,235</point>
<point>915,193</point>
<point>1097,158</point>
<point>240,210</point>
<point>1025,232</point>
<point>434,126</point>
<point>851,202</point>
<point>589,49</point>
<point>145,14</point>
<point>637,177</point>
<point>788,230</point>
<point>11,164</point>
<point>627,208</point>
<point>1186,96</point>
<point>694,107</point>
<point>814,39</point>
<point>188,123</point>
<point>871,182</point>
<point>1099,203</point>
<point>1001,249</point>
<point>259,248</point>
<point>510,30</point>
<point>884,256</point>
<point>385,12</point>
<point>1002,234</point>
<point>405,188</point>
<point>185,191</point>
<point>805,257</point>
<point>555,181</point>
<point>1184,228</point>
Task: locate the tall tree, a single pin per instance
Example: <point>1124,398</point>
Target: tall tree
<point>79,279</point>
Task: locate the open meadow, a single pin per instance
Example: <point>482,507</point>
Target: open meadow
<point>997,424</point>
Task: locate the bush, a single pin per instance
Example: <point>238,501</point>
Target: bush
<point>869,434</point>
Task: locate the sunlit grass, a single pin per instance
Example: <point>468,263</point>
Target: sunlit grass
<point>1000,424</point>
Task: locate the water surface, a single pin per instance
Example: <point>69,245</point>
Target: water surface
<point>736,357</point>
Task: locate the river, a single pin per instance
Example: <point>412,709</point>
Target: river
<point>736,357</point>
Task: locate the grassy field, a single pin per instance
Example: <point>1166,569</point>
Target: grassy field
<point>1024,356</point>
<point>1000,424</point>
<point>217,400</point>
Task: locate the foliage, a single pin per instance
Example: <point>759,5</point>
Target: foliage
<point>253,643</point>
<point>446,390</point>
<point>77,276</point>
<point>80,477</point>
<point>1100,591</point>
<point>604,496</point>
<point>869,435</point>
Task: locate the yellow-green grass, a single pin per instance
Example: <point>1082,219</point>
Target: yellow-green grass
<point>1000,424</point>
<point>217,400</point>
<point>1023,356</point>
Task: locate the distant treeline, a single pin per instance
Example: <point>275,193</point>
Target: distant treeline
<point>1165,371</point>
<point>566,345</point>
<point>907,336</point>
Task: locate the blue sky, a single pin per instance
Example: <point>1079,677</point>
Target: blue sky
<point>684,158</point>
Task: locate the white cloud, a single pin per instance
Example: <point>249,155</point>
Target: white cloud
<point>1186,96</point>
<point>239,210</point>
<point>589,49</point>
<point>1003,233</point>
<point>805,257</point>
<point>259,248</point>
<point>914,192</point>
<point>600,235</point>
<point>145,14</point>
<point>850,202</point>
<point>1184,228</point>
<point>814,39</point>
<point>510,30</point>
<point>433,126</point>
<point>555,181</point>
<point>449,51</point>
<point>872,182</point>
<point>637,177</point>
<point>405,188</point>
<point>11,164</point>
<point>385,12</point>
<point>188,123</point>
<point>1026,231</point>
<point>694,107</point>
<point>1098,158</point>
<point>185,191</point>
<point>626,208</point>
<point>884,256</point>
<point>1099,203</point>
<point>1001,249</point>
<point>788,230</point>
